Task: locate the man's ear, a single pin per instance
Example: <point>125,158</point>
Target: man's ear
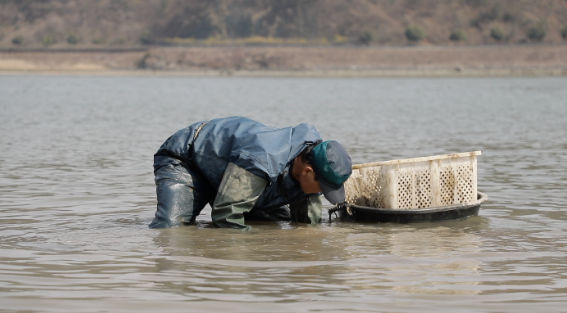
<point>307,170</point>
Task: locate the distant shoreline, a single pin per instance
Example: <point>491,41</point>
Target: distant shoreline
<point>253,46</point>
<point>401,61</point>
<point>431,72</point>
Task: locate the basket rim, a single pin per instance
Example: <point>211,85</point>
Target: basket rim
<point>481,198</point>
<point>420,159</point>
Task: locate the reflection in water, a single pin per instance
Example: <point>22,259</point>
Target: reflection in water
<point>270,260</point>
<point>77,194</point>
<point>446,246</point>
<point>424,259</point>
<point>433,242</point>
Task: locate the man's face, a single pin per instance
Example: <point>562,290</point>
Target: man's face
<point>307,181</point>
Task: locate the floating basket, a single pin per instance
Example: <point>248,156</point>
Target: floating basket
<point>418,183</point>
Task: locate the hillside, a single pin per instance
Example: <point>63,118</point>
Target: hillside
<point>130,23</point>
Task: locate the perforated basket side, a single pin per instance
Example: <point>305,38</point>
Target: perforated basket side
<point>414,188</point>
<point>415,183</point>
<point>363,188</point>
<point>458,181</point>
<point>408,185</point>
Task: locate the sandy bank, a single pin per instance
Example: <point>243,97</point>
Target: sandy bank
<point>525,60</point>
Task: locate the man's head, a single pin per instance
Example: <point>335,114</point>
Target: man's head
<point>324,168</point>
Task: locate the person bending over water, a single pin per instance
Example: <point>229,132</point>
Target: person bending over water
<point>247,171</point>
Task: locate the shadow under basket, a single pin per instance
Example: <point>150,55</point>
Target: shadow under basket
<point>435,188</point>
<point>356,213</point>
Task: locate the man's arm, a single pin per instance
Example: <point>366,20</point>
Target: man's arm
<point>238,192</point>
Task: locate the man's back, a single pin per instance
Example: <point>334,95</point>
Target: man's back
<point>262,150</point>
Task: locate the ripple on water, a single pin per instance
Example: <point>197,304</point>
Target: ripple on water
<point>77,193</point>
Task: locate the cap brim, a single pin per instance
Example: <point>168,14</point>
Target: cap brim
<point>335,195</point>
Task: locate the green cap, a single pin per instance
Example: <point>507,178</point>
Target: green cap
<point>333,166</point>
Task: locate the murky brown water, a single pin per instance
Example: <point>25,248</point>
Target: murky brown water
<point>77,193</point>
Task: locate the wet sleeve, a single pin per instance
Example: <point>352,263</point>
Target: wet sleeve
<point>238,192</point>
<point>307,210</point>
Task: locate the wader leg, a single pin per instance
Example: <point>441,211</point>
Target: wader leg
<point>181,194</point>
<point>238,192</point>
<point>307,210</point>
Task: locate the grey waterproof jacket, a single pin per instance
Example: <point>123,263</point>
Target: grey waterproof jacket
<point>267,152</point>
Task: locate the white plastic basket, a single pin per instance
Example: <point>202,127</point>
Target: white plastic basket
<point>415,183</point>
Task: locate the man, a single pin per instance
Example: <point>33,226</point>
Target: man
<point>245,169</point>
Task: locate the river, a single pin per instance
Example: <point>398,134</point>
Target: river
<point>77,194</point>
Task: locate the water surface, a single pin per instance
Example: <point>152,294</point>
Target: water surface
<point>77,193</point>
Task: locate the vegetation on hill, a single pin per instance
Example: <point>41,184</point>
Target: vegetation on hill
<point>127,23</point>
